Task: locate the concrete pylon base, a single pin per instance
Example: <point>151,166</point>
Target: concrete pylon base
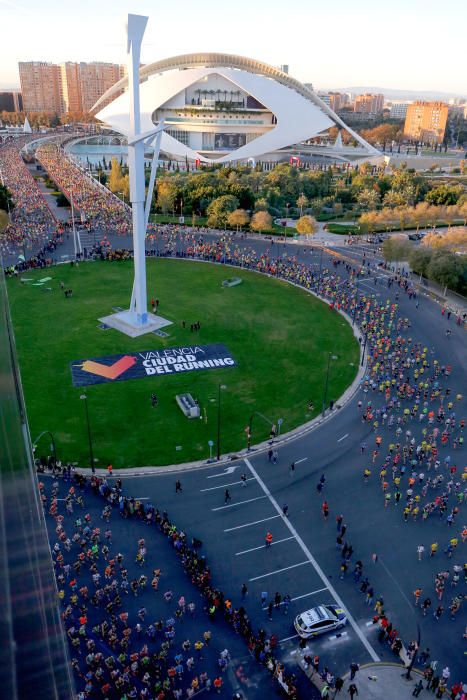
<point>126,322</point>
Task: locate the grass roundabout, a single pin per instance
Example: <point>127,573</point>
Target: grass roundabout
<point>279,335</point>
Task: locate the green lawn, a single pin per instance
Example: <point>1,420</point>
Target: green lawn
<point>279,335</point>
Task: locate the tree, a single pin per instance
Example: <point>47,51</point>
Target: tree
<point>6,202</point>
<point>368,199</point>
<point>455,239</point>
<point>448,269</point>
<point>444,195</point>
<point>419,260</point>
<point>261,221</point>
<point>393,199</point>
<point>368,221</point>
<point>238,218</point>
<point>219,210</point>
<point>115,177</point>
<point>302,201</point>
<point>395,249</point>
<point>166,193</point>
<point>307,225</point>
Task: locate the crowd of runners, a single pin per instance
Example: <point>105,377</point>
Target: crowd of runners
<point>31,220</point>
<point>139,654</point>
<point>100,208</point>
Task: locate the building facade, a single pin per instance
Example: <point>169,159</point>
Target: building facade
<point>426,121</point>
<point>369,103</point>
<point>40,86</point>
<point>223,108</point>
<point>68,87</point>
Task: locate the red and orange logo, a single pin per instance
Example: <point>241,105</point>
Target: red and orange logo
<point>109,371</point>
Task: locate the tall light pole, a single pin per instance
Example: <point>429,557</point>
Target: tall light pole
<point>325,394</point>
<point>219,387</point>
<point>364,348</point>
<point>53,446</point>
<point>84,398</point>
<point>73,223</point>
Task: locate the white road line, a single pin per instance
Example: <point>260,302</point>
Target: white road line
<point>301,460</point>
<point>314,563</point>
<point>279,571</point>
<point>254,549</point>
<point>286,639</point>
<point>343,437</point>
<point>239,503</point>
<point>141,498</point>
<point>232,483</point>
<point>226,471</point>
<point>299,597</point>
<point>255,522</point>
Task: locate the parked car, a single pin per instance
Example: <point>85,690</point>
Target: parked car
<point>323,618</point>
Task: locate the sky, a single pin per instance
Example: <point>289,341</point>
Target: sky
<point>404,44</point>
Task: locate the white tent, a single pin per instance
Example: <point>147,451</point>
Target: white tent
<point>27,127</point>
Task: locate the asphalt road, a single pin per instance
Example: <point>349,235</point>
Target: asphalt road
<point>303,560</point>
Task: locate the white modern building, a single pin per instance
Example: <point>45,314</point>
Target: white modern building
<point>224,108</point>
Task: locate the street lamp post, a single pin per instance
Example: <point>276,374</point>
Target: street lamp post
<point>364,347</point>
<point>326,384</point>
<point>219,387</point>
<point>54,449</point>
<point>91,454</point>
<point>320,264</point>
<point>73,223</point>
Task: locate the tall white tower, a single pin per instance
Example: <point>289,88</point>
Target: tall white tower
<point>137,321</point>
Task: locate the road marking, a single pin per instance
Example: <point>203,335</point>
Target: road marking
<point>255,522</point>
<point>299,597</point>
<point>254,549</point>
<point>229,470</point>
<point>314,563</point>
<point>141,498</point>
<point>343,437</point>
<point>279,571</point>
<point>232,483</point>
<point>239,503</point>
<point>286,639</point>
<point>301,460</point>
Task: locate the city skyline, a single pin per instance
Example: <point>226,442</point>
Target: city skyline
<point>349,37</point>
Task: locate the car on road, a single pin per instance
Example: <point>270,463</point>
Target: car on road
<point>323,618</point>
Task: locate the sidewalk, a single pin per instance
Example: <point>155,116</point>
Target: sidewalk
<point>374,681</point>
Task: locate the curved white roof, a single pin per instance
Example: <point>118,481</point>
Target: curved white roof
<point>300,114</point>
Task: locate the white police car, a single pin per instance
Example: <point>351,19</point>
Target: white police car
<point>323,618</point>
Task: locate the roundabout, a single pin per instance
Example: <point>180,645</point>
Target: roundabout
<point>292,356</point>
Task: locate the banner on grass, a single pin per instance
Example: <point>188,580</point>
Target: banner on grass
<point>137,365</point>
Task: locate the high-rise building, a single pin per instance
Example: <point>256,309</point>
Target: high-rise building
<point>95,79</point>
<point>369,103</point>
<point>69,87</point>
<point>426,121</point>
<point>337,100</point>
<point>40,86</point>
